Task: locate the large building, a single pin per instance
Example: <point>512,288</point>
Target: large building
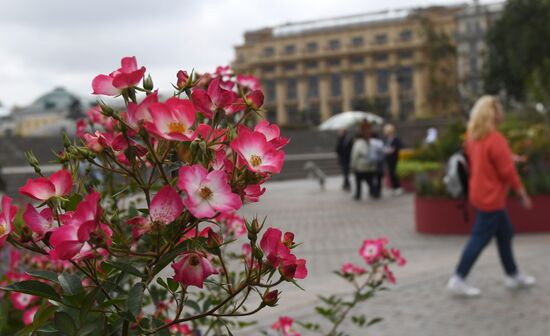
<point>47,112</point>
<point>472,26</point>
<point>388,62</point>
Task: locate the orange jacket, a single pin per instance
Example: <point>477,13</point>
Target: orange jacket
<point>492,172</point>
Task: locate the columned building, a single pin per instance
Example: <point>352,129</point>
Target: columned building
<point>375,61</point>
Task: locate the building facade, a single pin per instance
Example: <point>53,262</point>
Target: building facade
<point>52,108</point>
<point>472,26</point>
<point>376,61</point>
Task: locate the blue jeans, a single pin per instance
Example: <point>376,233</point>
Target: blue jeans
<point>488,224</point>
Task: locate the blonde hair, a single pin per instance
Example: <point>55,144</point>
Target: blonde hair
<point>483,116</point>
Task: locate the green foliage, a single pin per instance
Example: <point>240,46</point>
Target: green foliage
<point>517,48</point>
<point>445,146</point>
<point>441,65</point>
<point>410,168</point>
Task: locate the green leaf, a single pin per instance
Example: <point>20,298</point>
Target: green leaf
<point>87,329</point>
<point>173,285</point>
<point>125,268</point>
<point>44,275</point>
<point>64,323</point>
<point>43,315</point>
<point>71,284</point>
<point>135,299</point>
<point>374,320</point>
<point>73,201</point>
<point>34,287</point>
<point>88,303</point>
<point>193,305</point>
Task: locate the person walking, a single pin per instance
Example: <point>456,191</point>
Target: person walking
<point>343,150</point>
<point>491,173</point>
<point>393,146</point>
<point>376,165</point>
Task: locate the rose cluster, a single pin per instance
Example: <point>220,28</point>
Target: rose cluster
<point>185,165</point>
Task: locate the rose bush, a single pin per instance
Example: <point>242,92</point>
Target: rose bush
<point>137,234</point>
<point>365,281</point>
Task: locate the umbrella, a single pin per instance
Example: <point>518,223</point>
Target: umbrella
<point>349,119</point>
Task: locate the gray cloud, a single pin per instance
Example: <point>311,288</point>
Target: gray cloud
<point>67,42</point>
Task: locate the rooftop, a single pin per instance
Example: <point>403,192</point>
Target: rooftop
<point>297,28</point>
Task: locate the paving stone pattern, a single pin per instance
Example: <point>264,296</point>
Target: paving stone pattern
<point>332,227</point>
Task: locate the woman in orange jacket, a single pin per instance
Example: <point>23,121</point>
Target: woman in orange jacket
<point>492,173</point>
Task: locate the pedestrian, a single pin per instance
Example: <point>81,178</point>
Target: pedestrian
<point>376,159</point>
<point>363,162</point>
<point>343,150</point>
<point>393,146</point>
<point>491,173</point>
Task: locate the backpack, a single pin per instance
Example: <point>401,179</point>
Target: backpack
<point>456,175</point>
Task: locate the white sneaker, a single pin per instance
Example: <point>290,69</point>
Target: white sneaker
<point>457,286</point>
<point>520,281</point>
<point>397,192</point>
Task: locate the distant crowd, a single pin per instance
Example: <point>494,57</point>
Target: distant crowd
<point>368,156</point>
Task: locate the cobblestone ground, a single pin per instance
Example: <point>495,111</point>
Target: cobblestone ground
<point>332,227</point>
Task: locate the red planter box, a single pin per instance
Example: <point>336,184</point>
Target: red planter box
<point>446,216</point>
<point>407,184</point>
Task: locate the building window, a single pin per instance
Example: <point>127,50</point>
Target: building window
<point>358,83</point>
<point>293,114</point>
<point>313,87</point>
<point>312,46</point>
<point>380,57</point>
<point>268,68</point>
<point>271,114</point>
<point>406,108</point>
<point>311,64</point>
<point>313,114</point>
<point>403,55</point>
<point>357,41</point>
<point>334,44</point>
<point>381,39</point>
<point>291,88</point>
<point>335,85</point>
<point>405,78</point>
<point>290,49</point>
<point>270,90</point>
<point>335,108</point>
<point>289,66</point>
<point>333,62</point>
<point>405,35</point>
<point>382,80</point>
<point>269,51</point>
<point>473,65</point>
<point>357,59</point>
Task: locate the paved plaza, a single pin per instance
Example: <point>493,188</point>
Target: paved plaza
<point>332,227</point>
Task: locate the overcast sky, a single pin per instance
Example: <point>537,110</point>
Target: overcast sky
<point>44,44</point>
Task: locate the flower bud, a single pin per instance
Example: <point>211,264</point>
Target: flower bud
<point>148,83</point>
<point>253,227</point>
<point>33,162</point>
<point>288,239</point>
<point>26,234</point>
<point>31,158</point>
<point>106,110</point>
<point>257,253</point>
<point>183,78</point>
<point>66,141</point>
<point>270,298</point>
<point>213,240</point>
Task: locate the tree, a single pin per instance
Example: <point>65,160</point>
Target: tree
<point>440,55</point>
<point>518,48</point>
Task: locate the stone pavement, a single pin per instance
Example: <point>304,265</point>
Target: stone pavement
<point>332,227</point>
